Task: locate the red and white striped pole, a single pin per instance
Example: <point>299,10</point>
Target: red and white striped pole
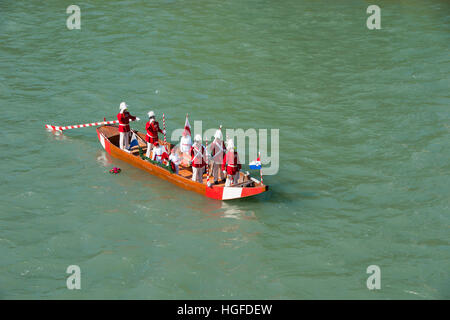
<point>164,126</point>
<point>76,126</point>
<point>260,170</point>
<point>207,162</point>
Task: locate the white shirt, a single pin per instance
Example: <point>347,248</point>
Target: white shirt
<point>185,144</point>
<point>174,158</point>
<point>157,153</point>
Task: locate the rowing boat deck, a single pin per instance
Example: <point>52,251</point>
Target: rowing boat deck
<point>111,132</point>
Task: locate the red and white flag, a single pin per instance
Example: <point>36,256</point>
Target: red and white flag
<point>187,126</point>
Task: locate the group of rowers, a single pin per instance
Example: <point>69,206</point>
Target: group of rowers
<point>225,160</point>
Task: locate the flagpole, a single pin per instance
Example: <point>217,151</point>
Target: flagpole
<point>207,162</point>
<point>260,170</point>
<point>164,126</point>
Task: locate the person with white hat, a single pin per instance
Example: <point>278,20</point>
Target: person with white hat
<point>159,153</point>
<point>231,164</point>
<point>198,159</point>
<point>174,159</point>
<point>185,142</point>
<point>218,152</point>
<point>152,128</point>
<point>124,118</point>
<point>185,148</point>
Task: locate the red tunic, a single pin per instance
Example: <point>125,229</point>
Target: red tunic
<point>198,158</point>
<point>152,131</point>
<point>124,120</point>
<point>231,162</point>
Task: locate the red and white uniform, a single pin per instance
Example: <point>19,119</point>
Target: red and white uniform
<point>218,153</point>
<point>160,154</point>
<point>174,161</point>
<point>124,121</point>
<point>185,148</point>
<point>124,118</point>
<point>198,156</point>
<point>152,128</point>
<point>185,143</point>
<point>231,162</point>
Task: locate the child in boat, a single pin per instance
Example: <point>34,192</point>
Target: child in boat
<point>175,159</point>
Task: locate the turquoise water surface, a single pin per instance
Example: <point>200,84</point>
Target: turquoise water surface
<point>363,118</point>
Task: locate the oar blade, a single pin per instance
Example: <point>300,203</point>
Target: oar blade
<point>52,128</point>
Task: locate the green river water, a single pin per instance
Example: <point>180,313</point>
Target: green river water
<point>363,118</point>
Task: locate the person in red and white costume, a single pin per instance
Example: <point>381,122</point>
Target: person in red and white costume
<point>175,159</point>
<point>198,159</point>
<point>231,164</point>
<point>185,148</point>
<point>152,128</point>
<point>185,142</point>
<point>218,153</point>
<point>159,153</point>
<point>124,118</point>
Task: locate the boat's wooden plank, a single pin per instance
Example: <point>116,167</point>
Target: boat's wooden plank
<point>242,184</point>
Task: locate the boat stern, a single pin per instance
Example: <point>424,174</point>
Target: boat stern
<point>229,193</point>
<point>103,140</point>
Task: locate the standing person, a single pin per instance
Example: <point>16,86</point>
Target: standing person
<point>198,156</point>
<point>231,164</point>
<point>185,148</point>
<point>124,118</point>
<point>186,144</point>
<point>218,153</point>
<point>152,128</point>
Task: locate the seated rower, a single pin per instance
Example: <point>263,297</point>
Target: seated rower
<point>231,164</point>
<point>174,160</point>
<point>159,153</point>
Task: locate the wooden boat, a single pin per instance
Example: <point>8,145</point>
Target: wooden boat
<point>247,186</point>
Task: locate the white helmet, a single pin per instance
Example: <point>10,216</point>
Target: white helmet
<point>218,135</point>
<point>230,144</point>
<point>198,138</point>
<point>123,106</point>
<point>151,114</point>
